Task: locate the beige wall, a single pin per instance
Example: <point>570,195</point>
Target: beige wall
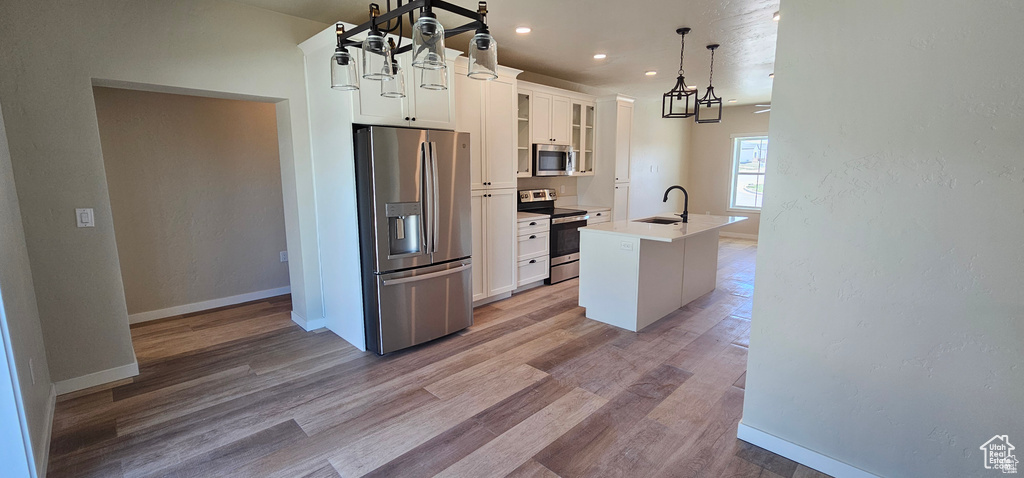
<point>19,308</point>
<point>710,168</point>
<point>660,150</point>
<point>887,321</point>
<point>53,52</point>
<point>195,192</point>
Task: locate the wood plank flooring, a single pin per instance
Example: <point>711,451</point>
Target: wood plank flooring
<point>533,389</point>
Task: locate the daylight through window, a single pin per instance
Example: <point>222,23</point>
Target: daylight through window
<point>749,156</point>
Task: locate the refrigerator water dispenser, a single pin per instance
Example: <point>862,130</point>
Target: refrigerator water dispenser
<point>405,231</point>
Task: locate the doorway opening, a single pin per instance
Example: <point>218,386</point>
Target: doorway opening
<point>198,212</point>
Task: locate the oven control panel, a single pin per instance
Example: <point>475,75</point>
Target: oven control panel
<point>531,195</point>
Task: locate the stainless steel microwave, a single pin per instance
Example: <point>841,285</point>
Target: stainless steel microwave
<point>553,160</point>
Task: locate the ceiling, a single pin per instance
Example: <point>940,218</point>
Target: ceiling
<point>637,36</point>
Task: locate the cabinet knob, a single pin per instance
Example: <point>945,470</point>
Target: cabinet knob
<point>533,261</point>
<point>533,223</point>
<point>414,118</point>
<point>598,214</point>
<point>534,236</point>
<point>407,118</point>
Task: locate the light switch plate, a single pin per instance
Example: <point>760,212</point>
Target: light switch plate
<point>284,256</point>
<point>84,217</point>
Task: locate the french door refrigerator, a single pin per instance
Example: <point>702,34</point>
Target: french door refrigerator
<point>413,196</point>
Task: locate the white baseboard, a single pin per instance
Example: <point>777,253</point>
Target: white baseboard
<point>308,325</point>
<point>206,305</point>
<point>495,298</point>
<point>97,378</point>
<point>43,459</point>
<point>799,454</point>
<point>738,235</point>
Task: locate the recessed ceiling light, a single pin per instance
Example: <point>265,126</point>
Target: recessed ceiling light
<point>600,56</point>
<point>523,30</point>
<point>650,72</point>
<point>771,75</point>
<point>776,16</point>
<point>732,100</point>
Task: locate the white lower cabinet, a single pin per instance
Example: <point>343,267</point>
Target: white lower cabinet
<point>620,206</point>
<point>534,249</point>
<point>533,270</point>
<point>494,242</point>
<point>597,216</point>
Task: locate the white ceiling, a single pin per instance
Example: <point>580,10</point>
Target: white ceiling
<point>637,36</point>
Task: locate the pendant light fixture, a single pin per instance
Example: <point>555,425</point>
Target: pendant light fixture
<point>709,107</point>
<point>483,50</point>
<point>344,75</point>
<point>377,60</point>
<point>396,87</point>
<point>427,46</point>
<point>428,42</point>
<point>677,102</point>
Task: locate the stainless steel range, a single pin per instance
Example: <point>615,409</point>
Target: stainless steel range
<point>565,234</point>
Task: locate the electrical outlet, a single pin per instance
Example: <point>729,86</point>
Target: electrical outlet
<point>284,256</point>
<point>626,246</point>
<point>561,190</point>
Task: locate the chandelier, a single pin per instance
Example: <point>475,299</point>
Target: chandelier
<point>427,46</point>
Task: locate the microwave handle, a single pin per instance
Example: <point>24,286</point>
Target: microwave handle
<point>570,165</point>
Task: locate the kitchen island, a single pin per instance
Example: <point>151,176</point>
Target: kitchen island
<point>633,273</point>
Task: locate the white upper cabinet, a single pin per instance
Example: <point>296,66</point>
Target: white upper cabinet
<point>560,119</point>
<point>582,136</point>
<point>421,107</point>
<point>540,118</point>
<point>500,132</point>
<point>487,111</point>
<point>623,140</point>
<point>549,118</point>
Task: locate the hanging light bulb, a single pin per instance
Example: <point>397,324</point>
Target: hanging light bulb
<point>483,50</point>
<point>396,87</point>
<point>377,61</point>
<point>344,75</point>
<point>709,108</point>
<point>676,103</point>
<point>436,79</point>
<point>428,42</point>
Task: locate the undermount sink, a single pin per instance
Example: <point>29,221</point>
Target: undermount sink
<point>660,220</point>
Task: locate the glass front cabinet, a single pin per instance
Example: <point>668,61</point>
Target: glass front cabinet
<point>582,137</point>
<point>523,150</point>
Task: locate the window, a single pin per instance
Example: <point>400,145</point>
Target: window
<point>749,155</point>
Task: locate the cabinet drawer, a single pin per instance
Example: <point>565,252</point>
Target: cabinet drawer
<point>533,245</point>
<point>534,226</point>
<point>599,217</point>
<point>533,270</point>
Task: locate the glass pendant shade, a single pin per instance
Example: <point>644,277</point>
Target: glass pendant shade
<point>436,79</point>
<point>377,59</point>
<point>396,87</point>
<point>344,75</point>
<point>428,43</point>
<point>483,56</point>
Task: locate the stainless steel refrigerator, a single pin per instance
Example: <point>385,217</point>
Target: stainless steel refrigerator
<point>415,232</point>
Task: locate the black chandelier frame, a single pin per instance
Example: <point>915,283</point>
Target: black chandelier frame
<point>425,7</point>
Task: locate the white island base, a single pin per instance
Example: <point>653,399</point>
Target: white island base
<point>634,273</point>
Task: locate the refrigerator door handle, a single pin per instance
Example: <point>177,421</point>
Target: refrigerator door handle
<point>426,199</point>
<point>435,211</point>
<point>425,276</point>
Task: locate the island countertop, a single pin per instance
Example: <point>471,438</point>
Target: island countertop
<point>697,224</point>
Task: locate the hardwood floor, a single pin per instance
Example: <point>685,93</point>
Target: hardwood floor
<point>533,389</point>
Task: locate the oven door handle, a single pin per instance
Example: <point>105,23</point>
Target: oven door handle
<point>563,220</point>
